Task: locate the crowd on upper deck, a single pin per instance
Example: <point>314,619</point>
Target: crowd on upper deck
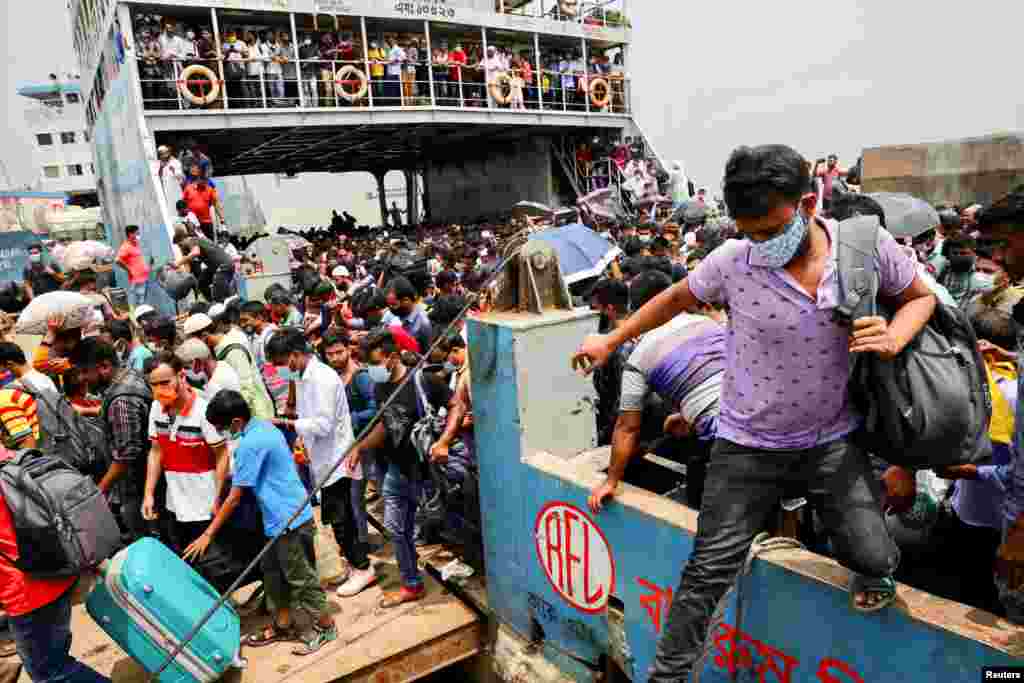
<point>260,67</point>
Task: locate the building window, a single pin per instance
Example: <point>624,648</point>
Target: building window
<point>85,136</point>
<point>72,98</point>
<point>51,171</point>
<point>75,170</point>
<point>67,138</point>
<point>44,139</point>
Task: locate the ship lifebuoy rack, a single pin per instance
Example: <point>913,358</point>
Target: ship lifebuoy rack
<point>600,92</point>
<point>198,74</point>
<point>501,88</point>
<point>347,75</point>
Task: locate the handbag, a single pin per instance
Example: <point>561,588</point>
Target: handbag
<point>930,406</point>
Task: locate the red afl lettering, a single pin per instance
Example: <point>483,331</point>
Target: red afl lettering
<point>575,556</point>
<point>826,667</point>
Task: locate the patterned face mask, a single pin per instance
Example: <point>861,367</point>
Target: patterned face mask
<point>781,249</point>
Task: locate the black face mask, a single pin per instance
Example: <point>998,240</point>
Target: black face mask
<point>961,264</point>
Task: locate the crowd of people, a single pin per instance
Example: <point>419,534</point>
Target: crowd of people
<point>261,67</point>
<point>716,348</point>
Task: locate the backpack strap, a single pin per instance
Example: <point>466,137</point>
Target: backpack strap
<point>856,267</point>
<point>422,403</point>
<point>234,347</point>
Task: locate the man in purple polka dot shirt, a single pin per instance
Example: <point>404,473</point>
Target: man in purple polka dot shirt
<point>785,420</point>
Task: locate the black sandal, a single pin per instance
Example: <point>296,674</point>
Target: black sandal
<point>271,633</point>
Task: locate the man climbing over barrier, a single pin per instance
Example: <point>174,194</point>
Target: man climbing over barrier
<point>782,421</point>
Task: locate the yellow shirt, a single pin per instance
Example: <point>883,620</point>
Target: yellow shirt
<point>1001,427</point>
<point>377,70</point>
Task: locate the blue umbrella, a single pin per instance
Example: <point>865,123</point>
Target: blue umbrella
<point>582,253</point>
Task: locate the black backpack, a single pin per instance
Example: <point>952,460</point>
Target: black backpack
<point>77,440</point>
<point>930,406</point>
<point>62,523</point>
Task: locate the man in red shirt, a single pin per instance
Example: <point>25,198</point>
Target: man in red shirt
<point>201,199</point>
<point>131,258</point>
<point>456,59</point>
<point>39,611</point>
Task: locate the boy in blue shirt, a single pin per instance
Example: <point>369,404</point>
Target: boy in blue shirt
<point>265,465</point>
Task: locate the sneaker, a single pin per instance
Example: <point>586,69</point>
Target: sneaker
<point>357,582</point>
<point>315,639</point>
<point>402,596</point>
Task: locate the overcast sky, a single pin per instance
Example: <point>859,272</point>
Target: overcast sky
<point>824,77</point>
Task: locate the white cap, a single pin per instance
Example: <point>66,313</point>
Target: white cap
<point>197,323</point>
<point>340,271</point>
<point>141,311</point>
<point>192,349</point>
<point>216,310</point>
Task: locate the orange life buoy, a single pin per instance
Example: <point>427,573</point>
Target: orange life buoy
<point>204,73</point>
<point>497,88</point>
<point>343,76</point>
<point>600,92</point>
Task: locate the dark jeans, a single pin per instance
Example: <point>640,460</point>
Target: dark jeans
<point>43,638</point>
<point>401,495</point>
<point>338,512</point>
<point>742,488</point>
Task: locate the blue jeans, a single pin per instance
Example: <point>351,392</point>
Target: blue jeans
<point>137,294</point>
<point>401,494</point>
<point>43,638</point>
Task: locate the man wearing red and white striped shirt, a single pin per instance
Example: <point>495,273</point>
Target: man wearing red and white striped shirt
<point>186,449</point>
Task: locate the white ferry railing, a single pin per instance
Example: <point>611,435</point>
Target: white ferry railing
<point>314,84</point>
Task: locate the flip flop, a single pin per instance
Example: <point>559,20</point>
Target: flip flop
<point>270,634</point>
<point>885,587</point>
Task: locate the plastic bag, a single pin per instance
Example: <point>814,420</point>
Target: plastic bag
<point>76,309</point>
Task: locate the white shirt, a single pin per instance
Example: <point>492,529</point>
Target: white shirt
<point>224,377</point>
<point>37,380</point>
<point>324,422</point>
<point>259,344</point>
<point>258,54</point>
<point>172,46</point>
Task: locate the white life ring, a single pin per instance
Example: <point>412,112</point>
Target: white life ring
<point>498,91</point>
<point>344,75</point>
<point>598,84</point>
<point>204,72</point>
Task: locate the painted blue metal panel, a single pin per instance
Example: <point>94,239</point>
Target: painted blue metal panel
<point>794,628</point>
<point>497,436</point>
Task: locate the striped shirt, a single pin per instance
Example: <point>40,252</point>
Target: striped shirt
<point>18,415</point>
<point>683,361</point>
<point>186,443</point>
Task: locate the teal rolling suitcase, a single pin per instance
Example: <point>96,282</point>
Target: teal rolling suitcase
<point>149,599</point>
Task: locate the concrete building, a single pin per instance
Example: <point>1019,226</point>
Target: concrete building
<point>62,154</point>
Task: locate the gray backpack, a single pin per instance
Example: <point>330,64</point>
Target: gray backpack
<point>77,440</point>
<point>62,522</point>
<point>930,406</point>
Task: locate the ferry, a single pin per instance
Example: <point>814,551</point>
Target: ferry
<point>563,594</point>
